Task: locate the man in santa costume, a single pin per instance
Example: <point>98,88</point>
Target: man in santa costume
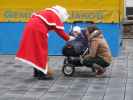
<point>34,44</point>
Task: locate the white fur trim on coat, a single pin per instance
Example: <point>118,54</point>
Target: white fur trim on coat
<point>32,64</point>
<point>45,20</point>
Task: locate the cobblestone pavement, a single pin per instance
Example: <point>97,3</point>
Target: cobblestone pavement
<point>17,83</point>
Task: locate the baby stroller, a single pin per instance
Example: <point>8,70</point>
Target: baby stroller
<point>74,52</point>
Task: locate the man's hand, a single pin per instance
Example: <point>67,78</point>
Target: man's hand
<point>82,58</point>
<point>86,56</point>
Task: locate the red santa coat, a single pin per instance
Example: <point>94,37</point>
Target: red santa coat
<point>34,44</point>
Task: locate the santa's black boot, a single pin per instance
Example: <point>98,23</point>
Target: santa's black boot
<point>35,72</point>
<point>41,76</point>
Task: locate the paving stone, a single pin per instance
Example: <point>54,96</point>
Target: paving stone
<point>55,93</point>
<point>10,63</point>
<point>16,97</point>
<point>71,97</point>
<point>129,91</point>
<point>129,97</point>
<point>95,93</point>
<point>7,98</point>
<point>114,91</point>
<point>91,98</point>
<point>119,97</point>
<point>50,98</point>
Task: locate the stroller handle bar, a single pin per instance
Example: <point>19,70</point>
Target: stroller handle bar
<point>85,52</point>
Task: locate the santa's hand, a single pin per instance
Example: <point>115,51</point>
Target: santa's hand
<point>71,38</point>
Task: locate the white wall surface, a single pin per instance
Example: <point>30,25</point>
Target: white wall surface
<point>129,3</point>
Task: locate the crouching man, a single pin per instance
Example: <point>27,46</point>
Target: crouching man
<point>99,55</point>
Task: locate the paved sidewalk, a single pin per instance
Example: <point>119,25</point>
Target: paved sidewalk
<point>16,82</point>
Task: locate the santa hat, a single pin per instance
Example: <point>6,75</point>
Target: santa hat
<point>61,11</point>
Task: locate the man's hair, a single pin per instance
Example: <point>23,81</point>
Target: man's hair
<point>92,29</point>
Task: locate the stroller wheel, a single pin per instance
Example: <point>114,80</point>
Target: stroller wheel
<point>68,70</point>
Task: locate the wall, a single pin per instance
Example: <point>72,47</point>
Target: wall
<point>10,36</point>
<point>129,3</point>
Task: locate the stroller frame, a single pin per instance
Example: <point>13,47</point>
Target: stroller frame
<point>70,63</point>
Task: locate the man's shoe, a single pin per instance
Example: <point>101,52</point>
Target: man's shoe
<point>45,77</point>
<point>99,70</point>
<point>37,73</point>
